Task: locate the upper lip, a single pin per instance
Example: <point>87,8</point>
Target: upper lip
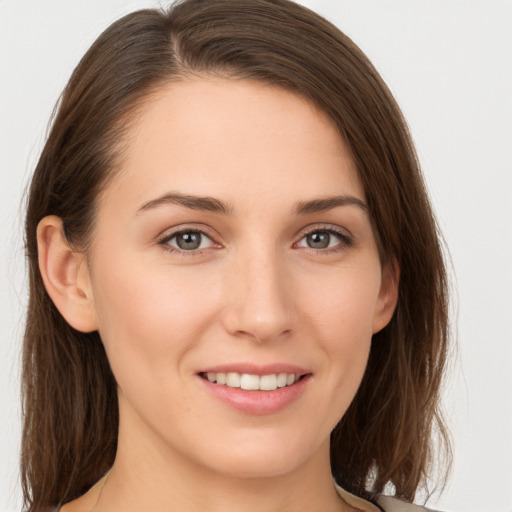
<point>255,369</point>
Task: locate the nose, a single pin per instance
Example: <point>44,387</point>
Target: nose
<point>259,305</point>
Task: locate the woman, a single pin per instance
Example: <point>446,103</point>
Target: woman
<point>237,289</point>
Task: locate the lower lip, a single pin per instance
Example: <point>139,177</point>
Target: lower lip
<point>257,402</point>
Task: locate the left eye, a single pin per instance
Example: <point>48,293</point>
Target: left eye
<point>321,239</point>
<point>189,241</point>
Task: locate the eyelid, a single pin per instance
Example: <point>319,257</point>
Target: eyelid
<point>310,228</point>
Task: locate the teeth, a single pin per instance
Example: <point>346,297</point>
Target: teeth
<point>253,382</point>
<point>233,380</point>
<point>249,381</point>
<point>281,380</point>
<point>269,382</point>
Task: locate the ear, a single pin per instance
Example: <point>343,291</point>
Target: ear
<point>65,275</point>
<point>388,296</point>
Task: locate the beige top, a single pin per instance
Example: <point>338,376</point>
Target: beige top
<point>386,503</point>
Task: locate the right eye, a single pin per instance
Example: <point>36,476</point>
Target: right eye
<point>188,241</point>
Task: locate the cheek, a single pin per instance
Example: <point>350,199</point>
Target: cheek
<point>341,312</point>
<point>149,317</point>
<point>343,303</point>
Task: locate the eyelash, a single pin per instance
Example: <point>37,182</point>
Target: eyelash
<point>346,240</point>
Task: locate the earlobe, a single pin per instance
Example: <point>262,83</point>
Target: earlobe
<point>65,275</point>
<point>388,296</point>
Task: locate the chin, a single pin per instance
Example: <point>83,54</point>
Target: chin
<point>260,460</point>
<point>250,469</point>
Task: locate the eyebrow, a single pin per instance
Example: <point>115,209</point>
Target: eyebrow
<point>207,204</point>
<point>328,203</point>
<point>210,204</point>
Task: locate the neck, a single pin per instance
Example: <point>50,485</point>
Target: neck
<point>149,476</point>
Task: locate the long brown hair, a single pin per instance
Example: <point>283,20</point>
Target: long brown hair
<point>69,392</point>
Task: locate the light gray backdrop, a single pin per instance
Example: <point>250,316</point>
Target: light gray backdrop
<point>449,63</point>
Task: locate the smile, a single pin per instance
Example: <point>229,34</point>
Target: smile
<point>252,382</point>
<point>256,390</point>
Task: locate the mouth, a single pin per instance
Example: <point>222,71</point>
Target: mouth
<point>252,382</point>
<point>256,390</point>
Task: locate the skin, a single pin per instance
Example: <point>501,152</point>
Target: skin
<point>255,291</point>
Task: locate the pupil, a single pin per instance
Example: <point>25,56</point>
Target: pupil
<point>188,241</point>
<point>318,240</point>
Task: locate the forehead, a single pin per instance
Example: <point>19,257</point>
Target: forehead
<point>226,137</point>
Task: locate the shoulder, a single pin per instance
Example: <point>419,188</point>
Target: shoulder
<point>382,504</point>
<point>389,504</point>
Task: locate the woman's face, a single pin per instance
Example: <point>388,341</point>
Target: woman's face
<point>235,245</point>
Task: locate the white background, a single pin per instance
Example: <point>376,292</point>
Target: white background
<point>449,63</point>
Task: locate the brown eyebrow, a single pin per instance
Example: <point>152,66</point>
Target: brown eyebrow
<point>208,204</point>
<point>328,203</point>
